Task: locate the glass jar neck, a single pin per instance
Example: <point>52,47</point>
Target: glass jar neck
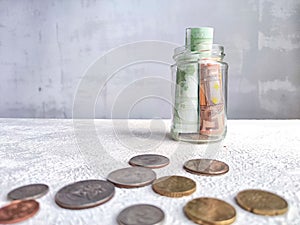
<point>202,51</point>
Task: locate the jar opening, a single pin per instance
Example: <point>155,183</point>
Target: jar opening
<point>213,50</point>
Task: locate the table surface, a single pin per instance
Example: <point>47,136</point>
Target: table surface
<point>261,154</point>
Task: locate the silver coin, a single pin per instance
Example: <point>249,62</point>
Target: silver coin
<point>132,177</point>
<point>141,214</point>
<point>85,194</point>
<point>31,191</point>
<point>209,167</point>
<point>149,161</point>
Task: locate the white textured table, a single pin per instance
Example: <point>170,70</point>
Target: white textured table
<point>261,154</point>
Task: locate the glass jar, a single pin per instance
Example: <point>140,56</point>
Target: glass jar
<point>200,93</point>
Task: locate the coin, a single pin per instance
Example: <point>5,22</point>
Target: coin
<point>18,211</point>
<point>210,211</point>
<point>85,194</point>
<point>149,161</point>
<point>174,186</point>
<point>208,167</point>
<point>31,191</point>
<point>141,214</point>
<point>262,202</point>
<point>132,177</point>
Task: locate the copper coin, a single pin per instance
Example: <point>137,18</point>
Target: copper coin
<point>85,194</point>
<point>208,167</point>
<point>210,211</point>
<point>262,202</point>
<point>31,191</point>
<point>174,186</point>
<point>142,214</point>
<point>18,211</point>
<point>149,161</point>
<point>132,177</point>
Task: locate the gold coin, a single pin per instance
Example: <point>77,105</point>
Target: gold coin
<point>262,202</point>
<point>174,186</point>
<point>210,211</point>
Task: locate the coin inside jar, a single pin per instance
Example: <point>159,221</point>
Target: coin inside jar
<point>132,177</point>
<point>174,186</point>
<point>210,211</point>
<point>149,161</point>
<point>31,191</point>
<point>85,194</point>
<point>18,211</point>
<point>262,202</point>
<point>209,167</point>
<point>141,214</point>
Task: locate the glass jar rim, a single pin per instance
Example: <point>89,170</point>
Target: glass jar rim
<point>212,49</point>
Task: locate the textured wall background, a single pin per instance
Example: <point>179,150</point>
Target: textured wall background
<point>45,47</point>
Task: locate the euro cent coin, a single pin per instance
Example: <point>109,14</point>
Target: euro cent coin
<point>262,202</point>
<point>174,186</point>
<point>18,211</point>
<point>85,194</point>
<point>149,161</point>
<point>132,177</point>
<point>142,214</point>
<point>31,191</point>
<point>210,211</point>
<point>209,167</point>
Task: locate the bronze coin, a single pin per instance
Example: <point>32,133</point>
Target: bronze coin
<point>210,211</point>
<point>262,202</point>
<point>152,161</point>
<point>174,186</point>
<point>209,167</point>
<point>18,211</point>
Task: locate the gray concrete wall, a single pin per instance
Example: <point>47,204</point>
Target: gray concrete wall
<point>46,46</point>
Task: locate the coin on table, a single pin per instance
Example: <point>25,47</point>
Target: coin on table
<point>210,211</point>
<point>132,177</point>
<point>149,161</point>
<point>18,211</point>
<point>262,202</point>
<point>85,194</point>
<point>208,167</point>
<point>31,191</point>
<point>141,214</point>
<point>174,186</point>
